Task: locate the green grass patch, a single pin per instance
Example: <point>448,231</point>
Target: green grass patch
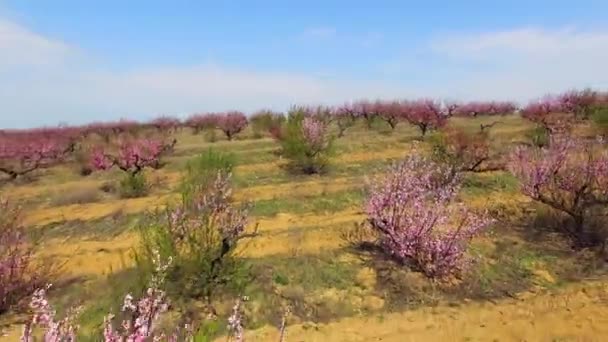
<point>482,184</point>
<point>299,281</point>
<point>319,204</point>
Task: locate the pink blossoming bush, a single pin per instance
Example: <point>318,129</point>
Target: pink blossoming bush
<point>44,317</point>
<point>18,275</point>
<point>570,176</point>
<point>306,142</point>
<point>231,123</point>
<point>413,211</point>
<point>201,234</point>
<point>140,321</point>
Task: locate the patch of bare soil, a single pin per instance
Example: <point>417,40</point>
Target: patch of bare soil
<point>576,313</point>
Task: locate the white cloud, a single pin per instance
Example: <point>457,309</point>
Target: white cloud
<point>20,47</point>
<point>45,81</point>
<point>528,62</point>
<point>70,87</point>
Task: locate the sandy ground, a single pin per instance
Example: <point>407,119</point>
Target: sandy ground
<point>576,313</point>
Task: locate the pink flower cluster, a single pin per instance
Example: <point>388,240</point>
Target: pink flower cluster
<point>44,316</point>
<point>412,209</point>
<point>132,155</point>
<point>139,325</point>
<point>22,152</point>
<point>142,315</point>
<point>555,112</point>
<point>231,123</point>
<point>315,134</point>
<point>165,123</point>
<point>235,322</point>
<point>107,130</point>
<point>200,122</point>
<point>212,204</point>
<point>140,321</point>
<point>16,275</point>
<point>426,114</point>
<point>569,175</point>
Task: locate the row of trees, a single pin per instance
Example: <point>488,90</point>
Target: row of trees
<point>140,145</point>
<point>413,208</point>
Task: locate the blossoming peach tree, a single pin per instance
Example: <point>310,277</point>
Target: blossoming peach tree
<point>413,211</point>
<point>570,176</point>
<point>132,156</point>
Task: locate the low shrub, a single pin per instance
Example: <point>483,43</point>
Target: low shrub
<point>413,211</point>
<point>202,169</point>
<point>201,234</point>
<point>133,186</point>
<point>306,142</point>
<point>264,121</point>
<point>464,151</point>
<point>19,274</point>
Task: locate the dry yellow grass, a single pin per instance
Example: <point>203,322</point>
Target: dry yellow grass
<point>574,313</point>
<point>578,313</point>
<point>172,178</point>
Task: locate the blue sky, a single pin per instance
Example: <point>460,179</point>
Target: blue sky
<point>78,61</point>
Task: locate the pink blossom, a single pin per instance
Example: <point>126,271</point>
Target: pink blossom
<point>22,152</point>
<point>231,123</point>
<point>569,175</point>
<point>426,114</point>
<point>412,209</point>
<point>132,155</point>
<point>200,122</point>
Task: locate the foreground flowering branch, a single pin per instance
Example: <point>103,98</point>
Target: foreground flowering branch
<point>413,211</point>
<point>138,325</point>
<point>18,276</point>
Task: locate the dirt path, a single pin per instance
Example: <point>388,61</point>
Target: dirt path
<point>576,313</point>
